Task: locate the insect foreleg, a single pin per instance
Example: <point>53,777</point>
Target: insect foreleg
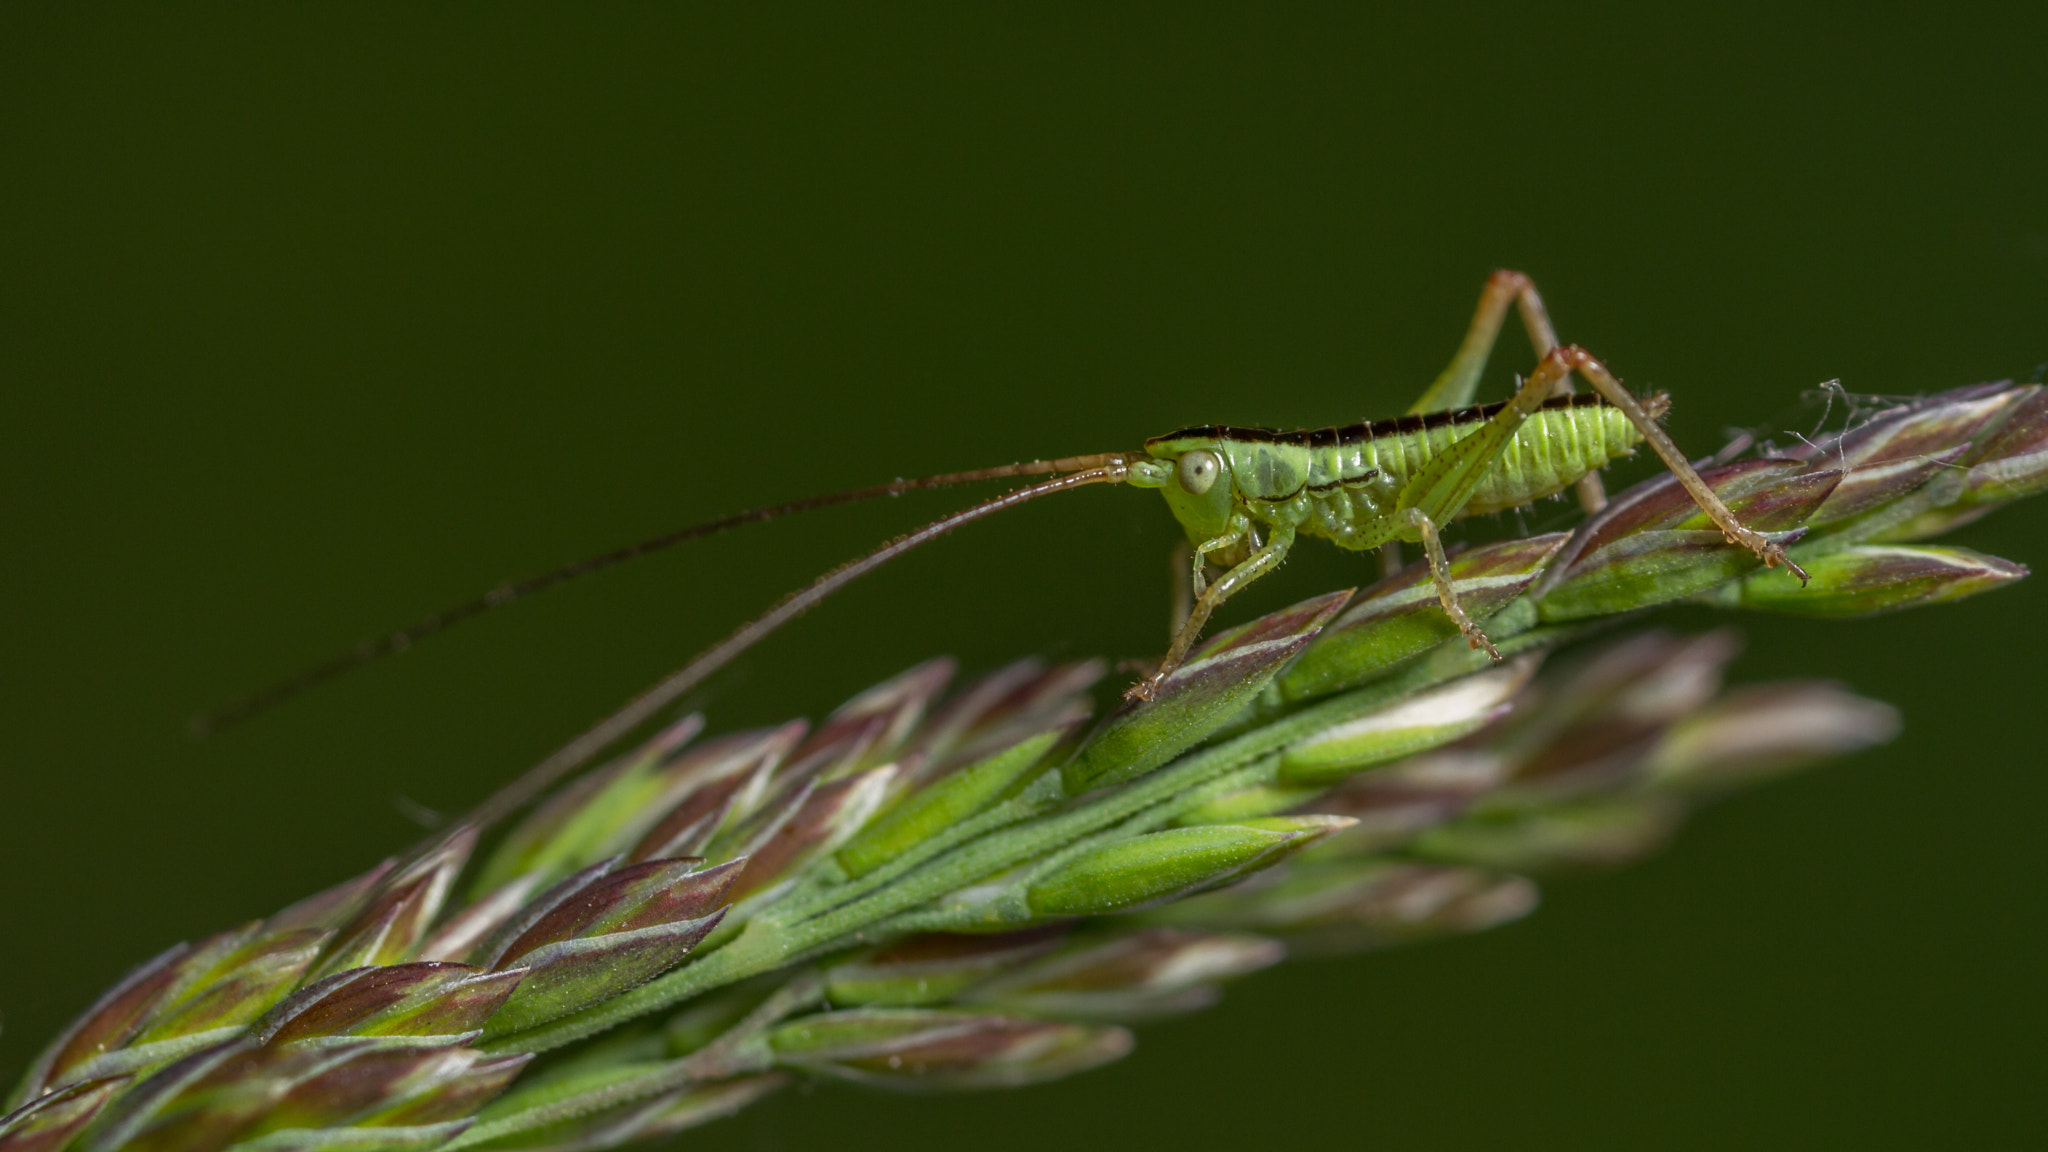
<point>1225,586</point>
<point>1611,390</point>
<point>1240,530</point>
<point>1440,575</point>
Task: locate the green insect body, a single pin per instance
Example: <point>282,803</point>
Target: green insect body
<point>1243,495</point>
<point>1345,484</point>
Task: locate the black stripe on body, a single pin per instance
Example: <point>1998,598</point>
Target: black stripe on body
<point>1372,430</point>
<point>1333,485</point>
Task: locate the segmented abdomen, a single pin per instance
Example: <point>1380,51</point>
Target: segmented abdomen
<point>1548,454</point>
<point>1550,451</point>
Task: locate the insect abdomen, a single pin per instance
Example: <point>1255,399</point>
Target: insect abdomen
<point>1550,452</point>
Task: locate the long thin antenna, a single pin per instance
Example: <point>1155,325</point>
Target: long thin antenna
<point>582,748</point>
<point>392,643</point>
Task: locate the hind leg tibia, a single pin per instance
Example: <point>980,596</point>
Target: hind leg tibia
<point>1459,382</point>
<point>1577,359</point>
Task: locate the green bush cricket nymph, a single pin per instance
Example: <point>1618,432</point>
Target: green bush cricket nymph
<point>1243,495</point>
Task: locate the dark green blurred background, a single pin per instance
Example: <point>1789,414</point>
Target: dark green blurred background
<point>311,321</point>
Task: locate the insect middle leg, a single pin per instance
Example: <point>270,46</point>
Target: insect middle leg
<point>1440,575</point>
<point>1439,492</point>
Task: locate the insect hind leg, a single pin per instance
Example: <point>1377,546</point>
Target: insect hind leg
<point>1576,359</point>
<point>1459,382</point>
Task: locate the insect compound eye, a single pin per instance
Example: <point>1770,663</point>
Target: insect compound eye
<point>1198,471</point>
